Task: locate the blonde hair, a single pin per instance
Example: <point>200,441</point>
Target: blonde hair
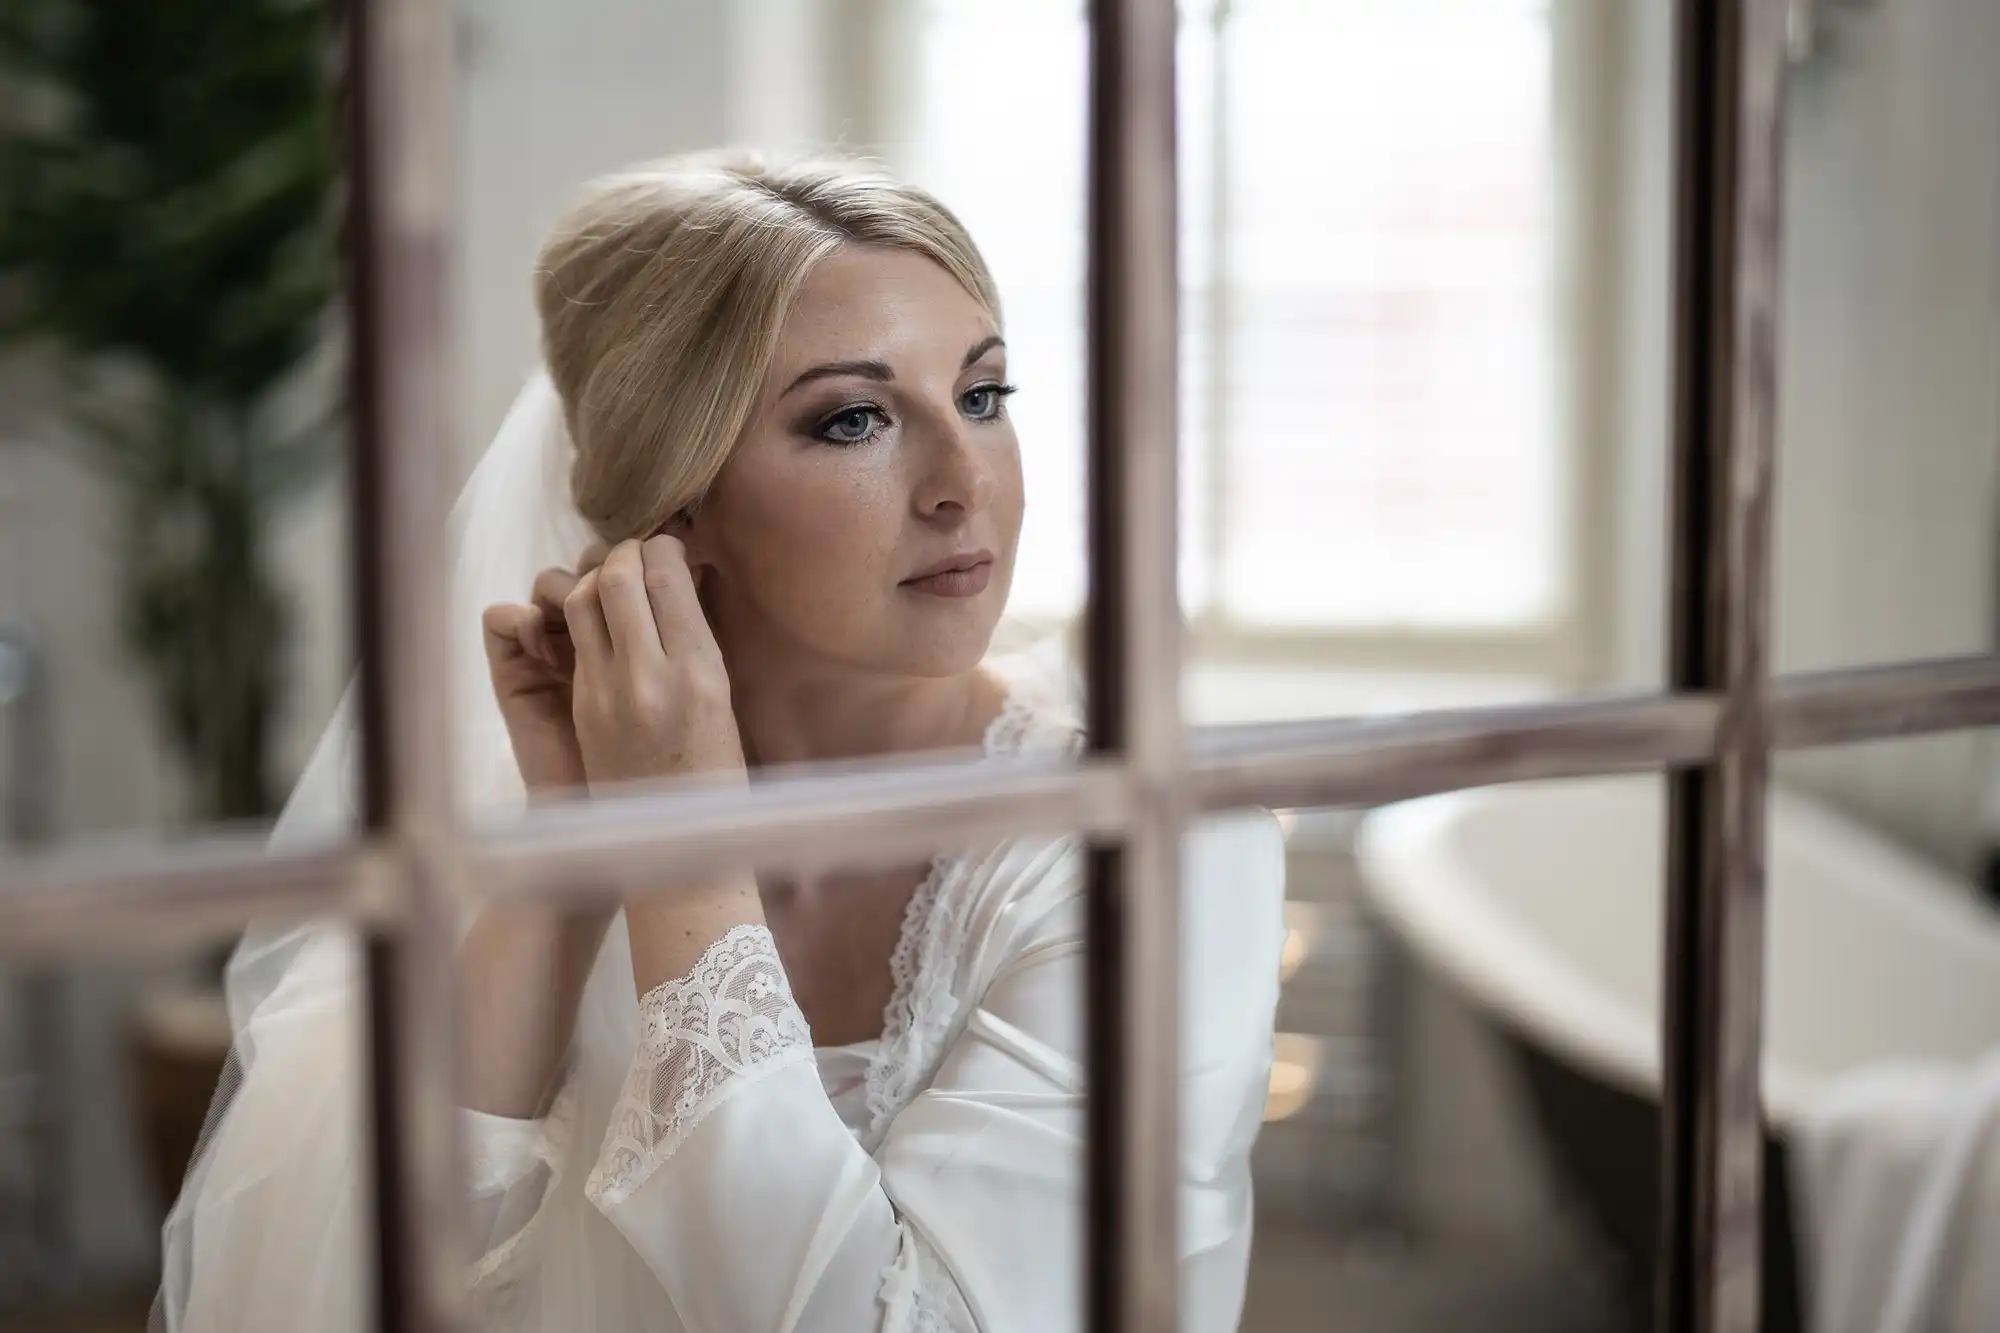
<point>662,294</point>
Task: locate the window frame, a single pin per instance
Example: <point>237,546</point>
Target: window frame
<point>1713,729</point>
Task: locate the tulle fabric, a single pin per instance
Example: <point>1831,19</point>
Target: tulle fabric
<point>270,1229</point>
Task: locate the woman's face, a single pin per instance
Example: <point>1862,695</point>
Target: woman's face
<point>869,514</point>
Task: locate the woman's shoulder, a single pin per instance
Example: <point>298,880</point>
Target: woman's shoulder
<point>1030,888</point>
<point>1232,862</point>
<point>1027,891</point>
<point>1041,709</point>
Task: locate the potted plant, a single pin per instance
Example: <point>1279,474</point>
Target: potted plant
<point>168,224</point>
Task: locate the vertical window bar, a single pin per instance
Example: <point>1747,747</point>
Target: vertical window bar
<point>399,112</point>
<point>1729,124</point>
<point>1133,670</point>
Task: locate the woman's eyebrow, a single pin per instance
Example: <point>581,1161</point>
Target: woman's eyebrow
<point>871,370</point>
<point>981,348</point>
<point>879,370</point>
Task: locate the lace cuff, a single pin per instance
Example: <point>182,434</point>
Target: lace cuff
<point>702,1039</point>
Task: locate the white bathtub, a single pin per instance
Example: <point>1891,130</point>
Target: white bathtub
<point>1542,902</point>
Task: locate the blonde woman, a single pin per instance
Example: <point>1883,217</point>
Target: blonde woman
<point>762,508</point>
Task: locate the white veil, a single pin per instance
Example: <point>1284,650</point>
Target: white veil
<point>271,1227</point>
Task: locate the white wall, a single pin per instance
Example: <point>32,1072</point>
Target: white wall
<point>1889,442</point>
<point>554,94</point>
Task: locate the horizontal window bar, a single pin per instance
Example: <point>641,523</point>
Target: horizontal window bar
<point>1370,760</point>
<point>83,895</point>
<point>143,896</point>
<point>1882,702</point>
<point>874,815</point>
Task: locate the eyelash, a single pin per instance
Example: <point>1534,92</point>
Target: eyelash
<point>1001,393</point>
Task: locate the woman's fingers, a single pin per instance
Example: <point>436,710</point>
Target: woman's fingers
<point>651,696</point>
<point>551,586</point>
<point>512,632</point>
<point>585,618</point>
<point>551,632</point>
<point>505,630</point>
<point>676,609</point>
<point>622,585</point>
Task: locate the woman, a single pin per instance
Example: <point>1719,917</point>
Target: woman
<point>776,399</point>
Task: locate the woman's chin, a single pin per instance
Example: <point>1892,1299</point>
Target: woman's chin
<point>936,650</point>
<point>939,661</point>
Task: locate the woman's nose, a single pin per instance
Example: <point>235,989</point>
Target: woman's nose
<point>956,480</point>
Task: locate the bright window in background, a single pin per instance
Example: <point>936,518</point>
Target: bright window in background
<point>1379,316</point>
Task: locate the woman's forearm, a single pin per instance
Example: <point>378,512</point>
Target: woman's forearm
<point>522,971</point>
<point>671,930</point>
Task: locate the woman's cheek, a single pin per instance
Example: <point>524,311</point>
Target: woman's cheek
<point>828,551</point>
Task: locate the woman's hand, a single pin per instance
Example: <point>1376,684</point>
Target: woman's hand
<point>529,656</point>
<point>650,695</point>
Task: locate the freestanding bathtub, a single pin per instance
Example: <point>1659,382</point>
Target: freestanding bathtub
<point>1542,904</point>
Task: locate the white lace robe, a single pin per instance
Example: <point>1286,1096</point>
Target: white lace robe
<point>929,1181</point>
<point>707,1171</point>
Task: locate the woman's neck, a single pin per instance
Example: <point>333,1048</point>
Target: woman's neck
<point>790,717</point>
<point>792,708</point>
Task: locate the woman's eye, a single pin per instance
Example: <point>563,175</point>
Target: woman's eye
<point>982,402</point>
<point>851,426</point>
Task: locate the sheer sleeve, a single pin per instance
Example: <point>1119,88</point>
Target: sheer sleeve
<point>514,1168</point>
<point>729,1172</point>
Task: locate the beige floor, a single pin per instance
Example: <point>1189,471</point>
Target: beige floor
<point>1302,1280</point>
<point>113,1316</point>
<point>1307,1281</point>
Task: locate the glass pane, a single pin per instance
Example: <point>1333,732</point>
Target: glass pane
<point>1883,989</point>
<point>1463,1122</point>
<point>1427,253</point>
<point>968,109</point>
<point>818,516</point>
<point>1399,264</point>
<point>173,622</point>
<point>118,1074</point>
<point>791,369</point>
<point>1887,460</point>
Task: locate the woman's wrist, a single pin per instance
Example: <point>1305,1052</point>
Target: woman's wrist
<point>672,929</point>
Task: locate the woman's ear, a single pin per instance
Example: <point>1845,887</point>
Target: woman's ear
<point>684,526</point>
<point>700,563</point>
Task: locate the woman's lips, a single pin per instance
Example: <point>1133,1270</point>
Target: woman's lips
<point>960,576</point>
